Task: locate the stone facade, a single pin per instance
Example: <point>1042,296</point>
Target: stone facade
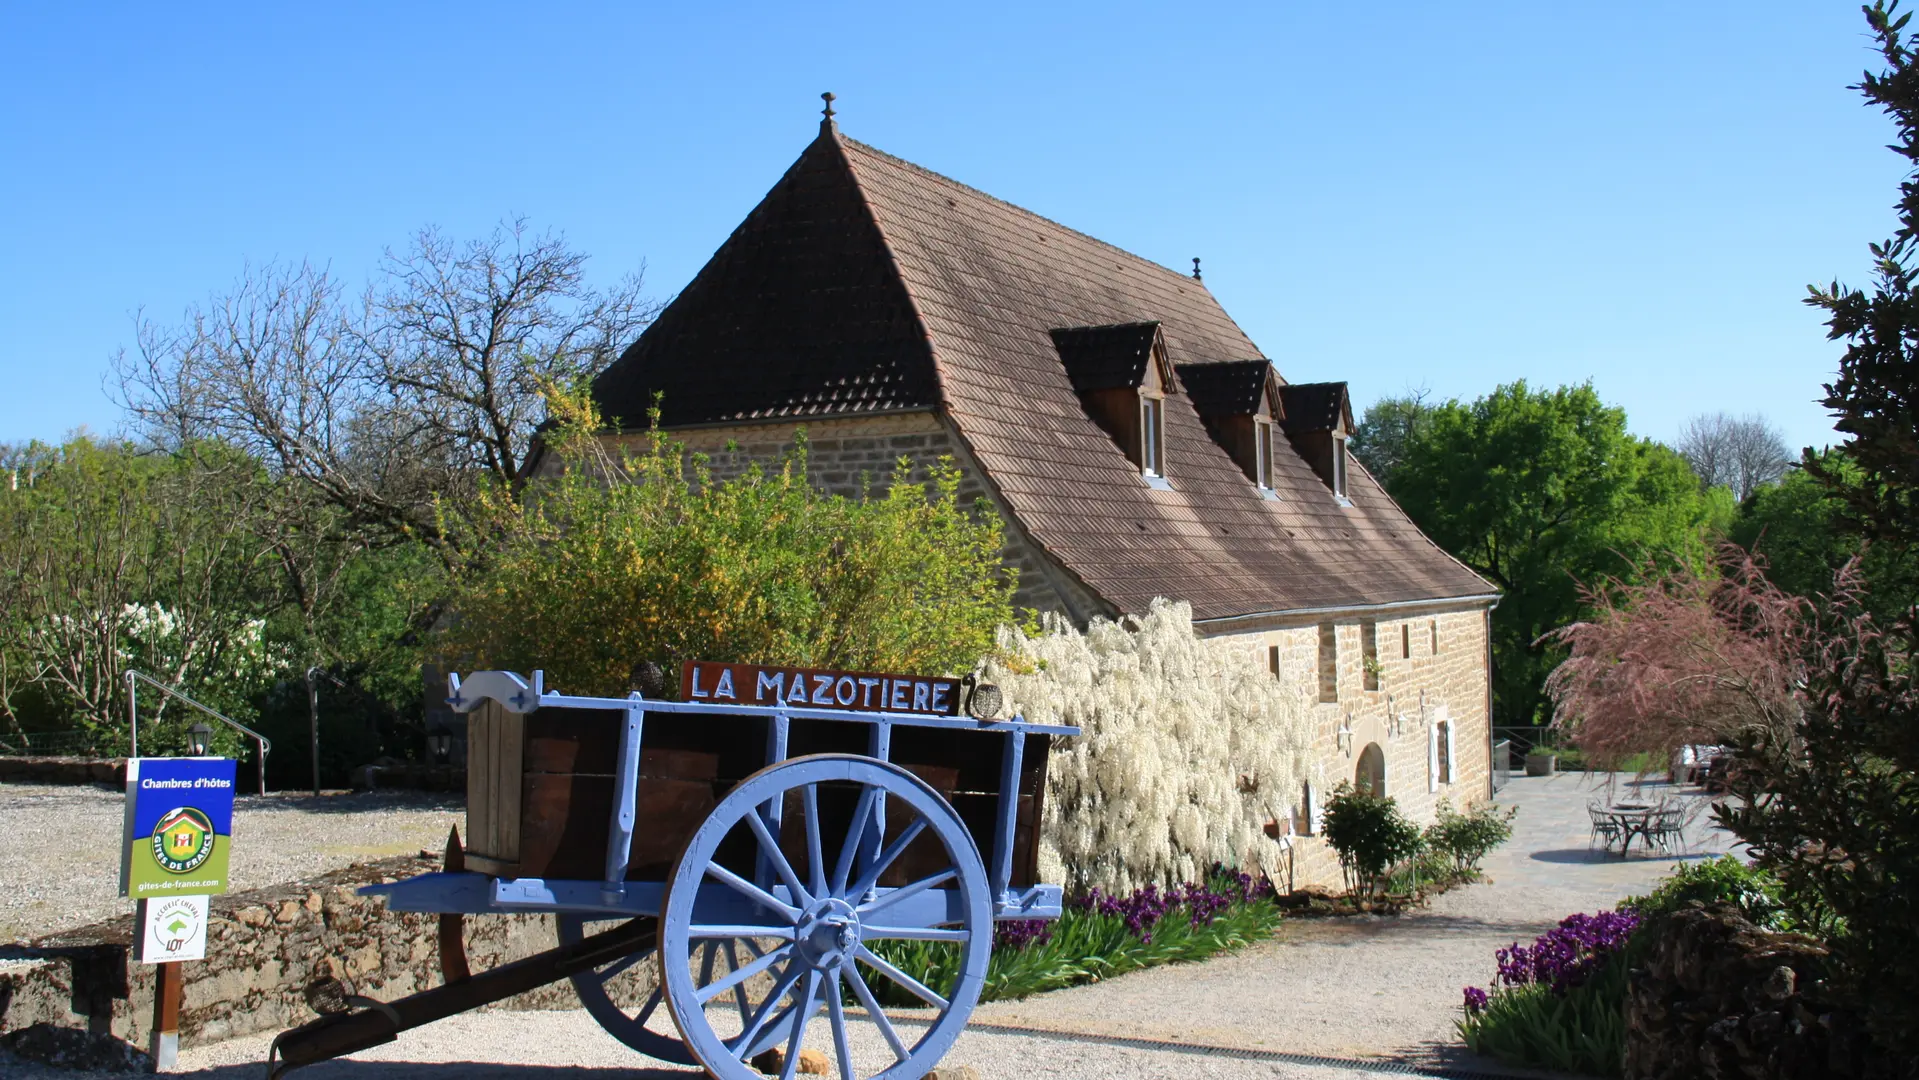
<point>845,454</point>
<point>1451,685</point>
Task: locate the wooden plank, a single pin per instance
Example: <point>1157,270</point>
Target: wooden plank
<point>479,779</point>
<point>565,822</point>
<point>507,783</point>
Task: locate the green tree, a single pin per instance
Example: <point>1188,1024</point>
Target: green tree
<point>648,557</point>
<point>1388,428</point>
<point>1803,532</point>
<point>1540,491</point>
<point>1875,397</point>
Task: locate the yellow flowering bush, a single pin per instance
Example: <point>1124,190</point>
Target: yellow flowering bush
<point>645,556</point>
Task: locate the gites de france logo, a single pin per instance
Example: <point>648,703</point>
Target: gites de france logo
<point>182,840</point>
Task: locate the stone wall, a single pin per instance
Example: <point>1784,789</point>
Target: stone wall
<point>1719,999</point>
<point>846,453</point>
<point>263,948</point>
<point>1450,683</point>
<point>63,770</point>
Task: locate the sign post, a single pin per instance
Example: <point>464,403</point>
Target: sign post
<point>175,841</point>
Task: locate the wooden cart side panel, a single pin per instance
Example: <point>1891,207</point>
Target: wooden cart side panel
<point>495,749</point>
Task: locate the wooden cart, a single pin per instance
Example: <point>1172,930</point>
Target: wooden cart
<point>752,841</point>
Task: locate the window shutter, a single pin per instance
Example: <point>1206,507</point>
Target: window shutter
<point>1432,757</point>
<point>1452,761</point>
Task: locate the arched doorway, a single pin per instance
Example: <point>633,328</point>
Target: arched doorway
<point>1370,776</point>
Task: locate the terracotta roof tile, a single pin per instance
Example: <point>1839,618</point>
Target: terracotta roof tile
<point>864,283</point>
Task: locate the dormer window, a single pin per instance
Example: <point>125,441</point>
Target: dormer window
<point>1152,436</point>
<point>1318,420</point>
<point>1239,400</point>
<point>1263,454</point>
<point>1123,377</point>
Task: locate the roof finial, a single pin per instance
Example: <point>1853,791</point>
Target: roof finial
<point>1196,276</point>
<point>827,113</point>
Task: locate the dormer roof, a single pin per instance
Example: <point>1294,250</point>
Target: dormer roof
<point>1232,387</point>
<point>1113,357</point>
<point>863,284</point>
<point>1314,407</point>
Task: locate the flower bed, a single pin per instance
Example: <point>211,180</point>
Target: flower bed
<point>1102,935</point>
<point>1557,1003</point>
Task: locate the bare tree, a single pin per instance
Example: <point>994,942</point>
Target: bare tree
<point>395,409</point>
<point>1743,453</point>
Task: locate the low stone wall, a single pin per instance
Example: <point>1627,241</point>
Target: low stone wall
<point>63,770</point>
<point>263,948</point>
<point>1720,999</point>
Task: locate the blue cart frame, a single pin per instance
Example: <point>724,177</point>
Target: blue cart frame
<point>807,939</point>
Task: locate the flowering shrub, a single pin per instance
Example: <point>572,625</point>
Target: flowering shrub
<point>1189,748</point>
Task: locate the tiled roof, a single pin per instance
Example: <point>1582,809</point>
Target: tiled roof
<point>1106,357</point>
<point>941,293</point>
<point>1319,406</point>
<point>1227,388</point>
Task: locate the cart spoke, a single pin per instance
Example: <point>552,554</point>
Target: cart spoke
<point>862,819</point>
<point>752,892</point>
<point>887,900</point>
<point>774,855</point>
<point>873,1010</point>
<point>739,1043</point>
<point>729,930</point>
<point>910,984</point>
<point>739,989</point>
<point>913,933</point>
<point>652,1002</point>
<point>836,1018</point>
<point>612,971</point>
<point>802,1012</point>
<point>893,850</point>
<point>815,859</point>
<point>712,949</point>
<point>739,975</point>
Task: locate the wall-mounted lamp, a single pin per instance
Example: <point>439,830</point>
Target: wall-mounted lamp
<point>1345,735</point>
<point>439,744</point>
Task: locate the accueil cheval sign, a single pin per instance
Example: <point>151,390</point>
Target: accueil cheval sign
<point>860,691</point>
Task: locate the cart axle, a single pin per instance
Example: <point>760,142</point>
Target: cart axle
<point>345,1033</point>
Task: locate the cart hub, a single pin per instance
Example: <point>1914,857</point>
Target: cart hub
<point>828,932</point>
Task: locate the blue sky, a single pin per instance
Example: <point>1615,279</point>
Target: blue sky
<point>1394,194</point>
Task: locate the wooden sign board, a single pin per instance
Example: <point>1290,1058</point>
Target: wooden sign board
<point>859,691</point>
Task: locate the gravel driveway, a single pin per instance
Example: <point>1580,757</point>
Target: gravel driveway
<point>277,838</point>
<point>1380,992</point>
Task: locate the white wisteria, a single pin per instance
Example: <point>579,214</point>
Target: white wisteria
<point>1189,747</point>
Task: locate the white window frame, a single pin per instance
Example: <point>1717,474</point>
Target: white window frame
<point>1263,454</point>
<point>1339,467</point>
<point>1152,436</point>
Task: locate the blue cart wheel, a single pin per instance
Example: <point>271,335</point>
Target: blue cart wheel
<point>814,936</point>
<point>646,1027</point>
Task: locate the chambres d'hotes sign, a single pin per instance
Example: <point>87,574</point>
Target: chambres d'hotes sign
<point>754,684</point>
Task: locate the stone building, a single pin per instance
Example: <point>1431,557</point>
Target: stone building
<point>1135,441</point>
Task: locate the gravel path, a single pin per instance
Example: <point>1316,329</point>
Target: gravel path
<point>1384,990</point>
<point>569,1046</point>
<point>75,833</point>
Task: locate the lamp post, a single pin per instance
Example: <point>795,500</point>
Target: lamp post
<point>197,738</point>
